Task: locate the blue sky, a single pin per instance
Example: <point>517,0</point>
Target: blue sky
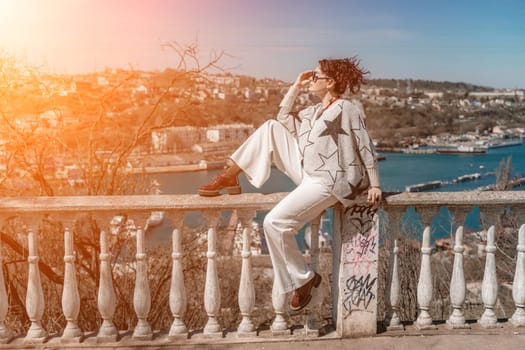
<point>480,42</point>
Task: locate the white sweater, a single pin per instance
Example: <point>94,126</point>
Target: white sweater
<point>335,145</point>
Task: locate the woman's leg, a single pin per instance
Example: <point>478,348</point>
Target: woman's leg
<point>281,224</point>
<point>270,144</point>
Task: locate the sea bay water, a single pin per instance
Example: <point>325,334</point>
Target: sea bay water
<point>400,170</point>
<point>396,172</point>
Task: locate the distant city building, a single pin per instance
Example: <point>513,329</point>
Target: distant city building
<point>184,138</point>
<point>494,94</point>
<point>224,80</point>
<point>433,94</point>
<point>235,133</point>
<point>176,139</point>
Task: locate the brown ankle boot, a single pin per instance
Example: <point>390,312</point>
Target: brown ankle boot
<point>302,295</point>
<point>221,182</point>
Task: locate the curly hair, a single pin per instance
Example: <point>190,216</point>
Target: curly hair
<point>346,73</point>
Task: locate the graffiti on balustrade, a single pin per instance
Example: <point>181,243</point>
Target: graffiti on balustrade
<point>358,293</point>
<point>361,248</point>
<point>359,218</point>
<point>361,267</point>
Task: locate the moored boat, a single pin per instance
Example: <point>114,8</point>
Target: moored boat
<point>462,149</point>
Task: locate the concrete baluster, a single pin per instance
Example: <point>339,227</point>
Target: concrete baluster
<point>178,301</point>
<point>458,288</point>
<point>395,322</point>
<point>394,293</point>
<point>70,294</point>
<point>518,287</point>
<point>35,296</point>
<point>313,318</point>
<point>279,325</point>
<point>107,300</point>
<point>489,286</point>
<point>212,293</point>
<point>246,287</point>
<point>424,285</point>
<point>141,295</point>
<point>5,333</point>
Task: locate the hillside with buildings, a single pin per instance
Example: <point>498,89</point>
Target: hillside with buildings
<point>173,117</point>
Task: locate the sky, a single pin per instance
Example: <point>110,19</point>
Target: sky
<point>479,42</point>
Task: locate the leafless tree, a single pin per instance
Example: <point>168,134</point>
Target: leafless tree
<point>29,149</point>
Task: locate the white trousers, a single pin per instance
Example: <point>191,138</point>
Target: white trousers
<point>273,143</point>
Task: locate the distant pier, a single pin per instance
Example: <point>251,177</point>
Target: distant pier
<point>431,185</point>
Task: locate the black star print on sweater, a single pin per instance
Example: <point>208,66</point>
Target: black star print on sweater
<point>307,133</point>
<point>330,164</point>
<point>334,129</point>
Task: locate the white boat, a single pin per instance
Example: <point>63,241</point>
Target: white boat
<point>467,177</point>
<point>462,149</point>
<point>501,143</point>
<point>423,186</point>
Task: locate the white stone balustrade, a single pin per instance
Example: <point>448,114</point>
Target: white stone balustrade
<point>35,295</point>
<point>394,293</point>
<point>178,329</point>
<point>246,286</point>
<point>489,286</point>
<point>350,247</point>
<point>5,333</point>
<point>70,295</point>
<point>458,288</point>
<point>142,295</point>
<point>107,301</point>
<point>518,287</point>
<point>424,286</point>
<point>313,319</point>
<point>279,325</point>
<point>212,292</point>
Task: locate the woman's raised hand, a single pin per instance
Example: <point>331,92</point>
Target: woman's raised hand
<point>303,78</point>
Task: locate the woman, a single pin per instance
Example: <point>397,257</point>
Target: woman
<point>328,154</point>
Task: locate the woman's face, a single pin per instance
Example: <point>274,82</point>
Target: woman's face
<point>319,82</point>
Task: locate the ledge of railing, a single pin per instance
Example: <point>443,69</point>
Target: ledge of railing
<point>457,199</point>
<point>250,201</point>
<point>138,203</point>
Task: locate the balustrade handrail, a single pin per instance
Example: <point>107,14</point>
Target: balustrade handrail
<point>250,201</point>
<point>456,199</point>
<point>138,203</point>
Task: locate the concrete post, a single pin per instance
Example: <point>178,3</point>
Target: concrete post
<point>489,286</point>
<point>458,288</point>
<point>35,296</point>
<point>106,301</point>
<point>141,294</point>
<point>424,285</point>
<point>178,299</point>
<point>393,294</point>
<point>212,292</point>
<point>246,287</point>
<point>5,333</point>
<point>70,295</point>
<point>518,287</point>
<point>313,316</point>
<point>355,270</point>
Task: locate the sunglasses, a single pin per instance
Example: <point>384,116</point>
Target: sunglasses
<point>316,76</point>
